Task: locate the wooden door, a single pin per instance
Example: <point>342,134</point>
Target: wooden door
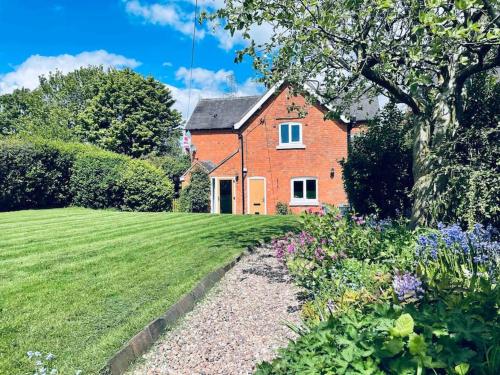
<point>257,196</point>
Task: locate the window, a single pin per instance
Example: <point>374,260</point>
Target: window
<point>304,191</point>
<point>290,135</point>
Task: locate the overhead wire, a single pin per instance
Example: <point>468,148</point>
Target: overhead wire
<point>190,84</point>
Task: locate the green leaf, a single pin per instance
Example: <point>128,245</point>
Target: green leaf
<point>417,344</point>
<point>462,368</point>
<point>393,347</point>
<point>348,354</point>
<point>403,326</point>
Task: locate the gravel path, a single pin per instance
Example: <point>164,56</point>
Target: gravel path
<point>240,323</point>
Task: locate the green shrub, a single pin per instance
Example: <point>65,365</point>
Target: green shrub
<point>96,180</point>
<point>282,209</point>
<point>33,175</point>
<point>171,165</point>
<point>196,196</point>
<point>377,174</point>
<point>146,188</point>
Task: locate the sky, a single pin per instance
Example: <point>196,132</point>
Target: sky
<point>153,37</point>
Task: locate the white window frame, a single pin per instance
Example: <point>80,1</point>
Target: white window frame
<point>303,201</point>
<point>290,144</point>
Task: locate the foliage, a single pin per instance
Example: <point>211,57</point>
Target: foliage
<point>419,53</point>
<point>146,188</point>
<point>386,300</point>
<point>96,180</point>
<point>172,165</point>
<point>469,160</point>
<point>196,196</point>
<point>130,115</point>
<point>41,174</point>
<point>451,259</point>
<point>118,110</point>
<point>79,283</point>
<point>282,209</point>
<point>377,175</point>
<point>389,339</point>
<point>33,175</point>
<point>52,109</point>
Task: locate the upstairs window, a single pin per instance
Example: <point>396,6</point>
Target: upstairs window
<point>304,191</point>
<point>290,135</point>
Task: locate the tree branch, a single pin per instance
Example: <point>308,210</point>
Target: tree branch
<point>492,12</point>
<point>465,73</point>
<point>391,87</point>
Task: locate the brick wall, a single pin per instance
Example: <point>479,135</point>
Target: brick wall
<point>325,145</point>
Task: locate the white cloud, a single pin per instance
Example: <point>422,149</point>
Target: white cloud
<point>165,15</point>
<point>208,84</point>
<point>259,33</point>
<point>26,75</point>
<point>175,16</point>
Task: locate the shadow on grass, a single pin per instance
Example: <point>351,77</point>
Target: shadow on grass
<point>247,237</point>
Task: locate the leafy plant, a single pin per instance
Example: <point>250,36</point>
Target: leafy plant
<point>196,196</point>
<point>282,209</point>
<point>386,339</point>
<point>377,175</point>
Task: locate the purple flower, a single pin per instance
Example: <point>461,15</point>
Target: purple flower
<point>358,220</point>
<point>407,286</point>
<point>319,254</point>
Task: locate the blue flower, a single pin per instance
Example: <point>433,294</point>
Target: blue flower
<point>407,286</point>
<point>454,237</point>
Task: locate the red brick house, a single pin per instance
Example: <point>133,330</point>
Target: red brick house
<point>258,153</point>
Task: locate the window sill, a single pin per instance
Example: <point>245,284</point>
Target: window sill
<point>304,202</point>
<point>291,146</point>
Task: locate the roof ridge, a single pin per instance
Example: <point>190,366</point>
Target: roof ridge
<point>232,97</point>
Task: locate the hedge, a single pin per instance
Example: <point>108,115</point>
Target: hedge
<point>37,173</point>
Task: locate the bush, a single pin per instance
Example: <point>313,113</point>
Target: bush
<point>196,196</point>
<point>282,209</point>
<point>377,174</point>
<point>96,180</point>
<point>43,174</point>
<point>33,175</point>
<point>146,188</point>
<point>171,165</point>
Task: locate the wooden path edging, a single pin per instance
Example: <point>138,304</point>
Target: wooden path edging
<point>144,340</point>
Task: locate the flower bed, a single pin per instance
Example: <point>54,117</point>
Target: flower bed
<point>383,299</point>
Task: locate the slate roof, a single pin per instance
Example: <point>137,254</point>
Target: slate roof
<point>220,113</point>
<point>223,113</point>
<point>208,164</point>
<point>365,109</point>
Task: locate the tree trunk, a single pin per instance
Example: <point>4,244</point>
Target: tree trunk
<point>430,180</point>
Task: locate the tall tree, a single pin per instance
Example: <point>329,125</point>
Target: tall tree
<point>130,114</point>
<point>418,52</point>
<point>52,108</point>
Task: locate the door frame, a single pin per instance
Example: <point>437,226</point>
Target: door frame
<point>215,194</point>
<point>265,192</point>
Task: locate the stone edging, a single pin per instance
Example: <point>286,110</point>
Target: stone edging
<point>141,342</point>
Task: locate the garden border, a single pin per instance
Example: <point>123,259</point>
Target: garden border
<point>144,340</point>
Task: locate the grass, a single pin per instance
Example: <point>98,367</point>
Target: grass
<point>79,283</point>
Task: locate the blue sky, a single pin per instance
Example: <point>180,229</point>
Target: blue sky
<point>151,36</point>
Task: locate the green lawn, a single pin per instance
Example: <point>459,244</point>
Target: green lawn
<point>79,283</point>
